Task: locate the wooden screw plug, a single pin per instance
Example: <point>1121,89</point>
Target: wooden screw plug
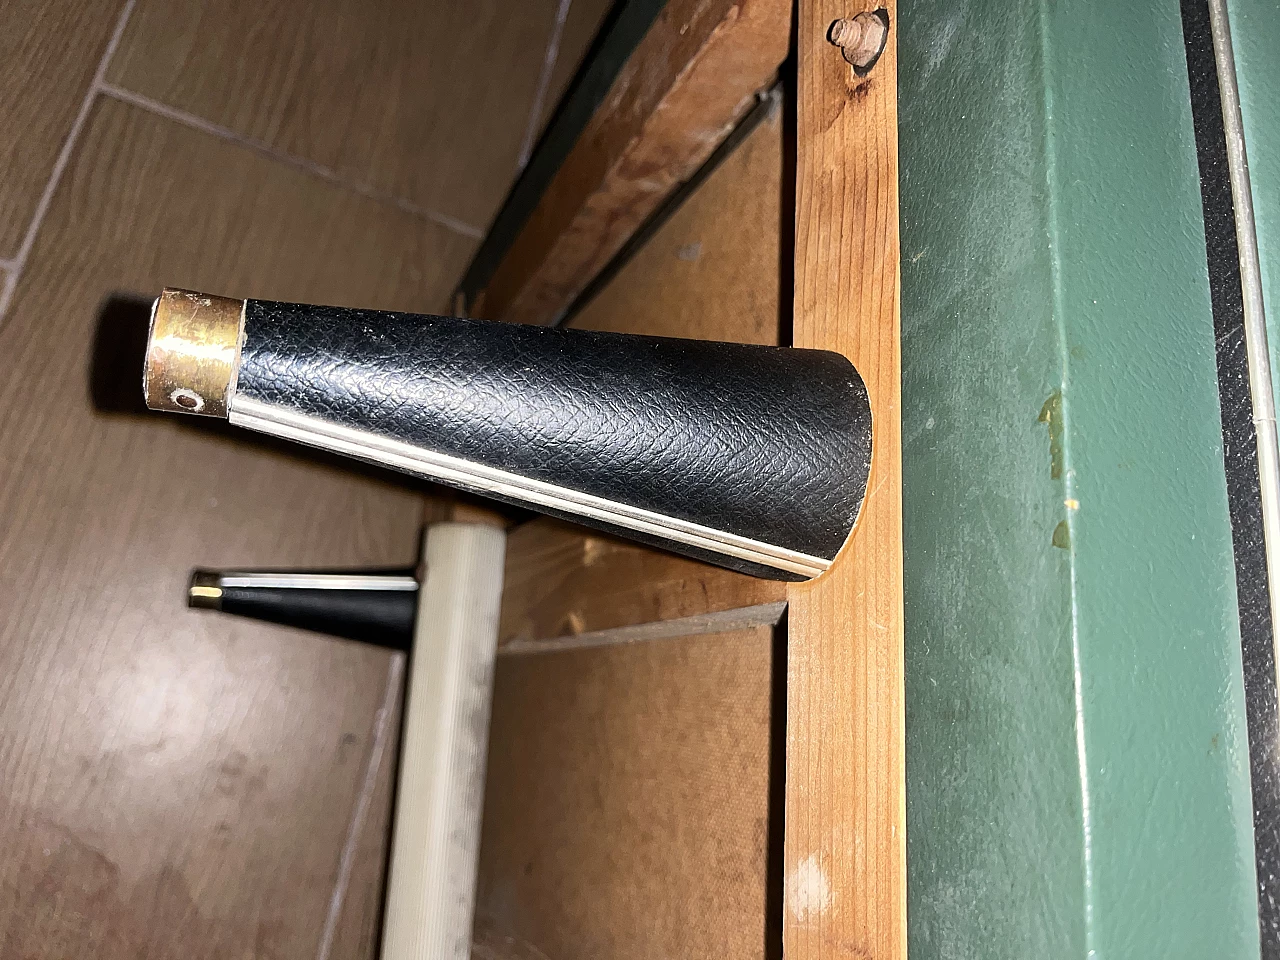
<point>861,39</point>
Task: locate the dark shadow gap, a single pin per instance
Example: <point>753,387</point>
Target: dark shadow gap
<point>776,819</point>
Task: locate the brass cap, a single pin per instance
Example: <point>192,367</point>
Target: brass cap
<point>193,353</point>
<point>205,590</point>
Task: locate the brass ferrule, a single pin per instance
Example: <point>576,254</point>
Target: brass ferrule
<point>205,590</point>
<point>193,353</point>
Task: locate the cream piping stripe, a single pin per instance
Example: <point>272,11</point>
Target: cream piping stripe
<point>317,581</point>
<point>281,422</point>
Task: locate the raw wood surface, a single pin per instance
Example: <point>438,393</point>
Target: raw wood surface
<point>712,271</point>
<point>627,806</point>
<point>692,76</point>
<point>49,50</point>
<point>177,783</point>
<point>424,101</point>
<point>563,582</point>
<point>695,625</point>
<point>845,859</point>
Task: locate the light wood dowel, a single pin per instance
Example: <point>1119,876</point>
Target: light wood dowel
<point>436,838</point>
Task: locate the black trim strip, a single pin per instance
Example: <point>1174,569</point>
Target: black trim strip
<point>1240,459</point>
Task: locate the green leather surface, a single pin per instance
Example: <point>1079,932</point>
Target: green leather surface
<point>1077,769</point>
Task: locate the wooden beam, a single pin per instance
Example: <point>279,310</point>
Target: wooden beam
<point>845,836</point>
<point>567,587</point>
<point>695,73</point>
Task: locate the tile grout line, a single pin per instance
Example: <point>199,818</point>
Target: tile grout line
<point>13,268</point>
<point>19,262</point>
<point>6,292</point>
<point>317,170</point>
<point>544,83</point>
<point>395,673</point>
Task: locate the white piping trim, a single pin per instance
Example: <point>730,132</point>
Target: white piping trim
<point>313,431</point>
<point>318,581</point>
<point>1255,322</point>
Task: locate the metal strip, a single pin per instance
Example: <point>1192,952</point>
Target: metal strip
<point>318,581</point>
<point>1255,330</point>
<point>282,422</point>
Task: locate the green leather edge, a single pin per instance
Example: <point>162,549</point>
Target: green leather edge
<point>1255,39</point>
<point>1077,767</point>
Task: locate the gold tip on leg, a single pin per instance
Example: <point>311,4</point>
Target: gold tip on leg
<point>205,591</point>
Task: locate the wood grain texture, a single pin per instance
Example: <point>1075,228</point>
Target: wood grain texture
<point>179,784</point>
<point>695,625</point>
<point>845,859</point>
<point>563,582</point>
<point>692,76</point>
<point>712,271</point>
<point>626,813</point>
<point>628,793</point>
<point>427,101</point>
<point>48,54</point>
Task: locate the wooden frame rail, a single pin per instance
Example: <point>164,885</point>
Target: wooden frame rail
<point>845,848</point>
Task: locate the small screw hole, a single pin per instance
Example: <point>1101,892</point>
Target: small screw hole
<point>187,399</point>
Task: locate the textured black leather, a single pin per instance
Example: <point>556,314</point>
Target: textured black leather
<point>381,617</point>
<point>769,443</point>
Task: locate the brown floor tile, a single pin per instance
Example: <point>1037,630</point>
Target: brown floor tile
<point>359,921</point>
<point>49,50</point>
<point>713,270</point>
<point>580,28</point>
<point>178,784</point>
<point>626,807</point>
<point>427,101</point>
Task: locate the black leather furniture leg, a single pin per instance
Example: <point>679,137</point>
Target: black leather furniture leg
<point>752,457</point>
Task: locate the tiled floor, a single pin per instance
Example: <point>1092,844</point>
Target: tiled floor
<point>175,784</point>
<point>354,94</point>
<point>49,50</point>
